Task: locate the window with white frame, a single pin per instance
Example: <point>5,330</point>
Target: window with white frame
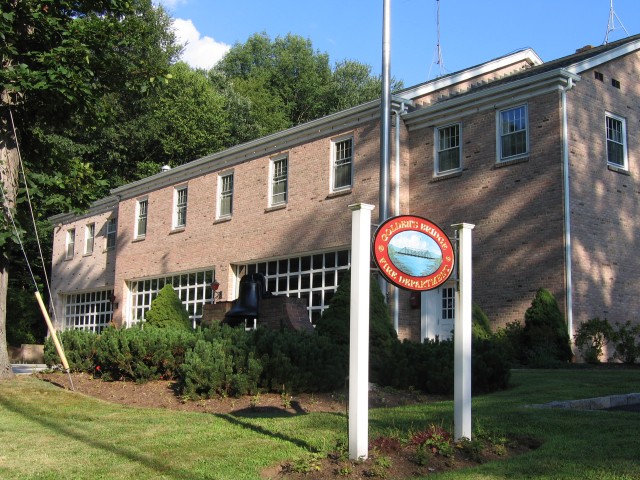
<point>513,128</point>
<point>225,195</point>
<point>448,149</point>
<point>70,243</point>
<point>89,238</point>
<point>279,180</point>
<point>194,290</point>
<point>448,303</point>
<point>342,168</point>
<point>141,218</point>
<point>616,141</point>
<point>312,277</point>
<point>111,233</point>
<point>90,311</point>
<point>180,209</point>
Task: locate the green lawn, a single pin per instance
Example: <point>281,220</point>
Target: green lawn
<point>49,433</point>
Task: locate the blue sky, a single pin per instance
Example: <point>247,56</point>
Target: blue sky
<point>471,31</point>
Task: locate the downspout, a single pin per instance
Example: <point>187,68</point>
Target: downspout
<point>396,291</point>
<point>567,211</point>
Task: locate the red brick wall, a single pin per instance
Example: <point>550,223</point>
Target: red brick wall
<point>516,208</point>
<point>605,204</point>
<point>313,219</point>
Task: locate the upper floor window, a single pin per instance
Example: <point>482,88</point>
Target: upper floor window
<point>111,233</point>
<point>448,149</point>
<point>70,243</point>
<point>89,237</point>
<point>225,195</point>
<point>616,141</point>
<point>180,209</point>
<point>279,180</point>
<point>342,170</point>
<point>513,133</point>
<point>141,218</point>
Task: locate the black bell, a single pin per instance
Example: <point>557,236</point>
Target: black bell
<point>247,306</point>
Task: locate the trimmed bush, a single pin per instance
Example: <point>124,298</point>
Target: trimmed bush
<point>300,362</point>
<point>480,324</point>
<point>545,338</point>
<point>591,337</point>
<point>222,363</point>
<point>627,342</point>
<point>334,324</point>
<point>167,311</point>
<point>79,347</point>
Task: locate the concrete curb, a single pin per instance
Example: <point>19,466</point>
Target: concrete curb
<point>597,403</point>
<point>27,368</point>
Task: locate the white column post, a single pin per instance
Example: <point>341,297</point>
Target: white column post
<point>462,335</point>
<point>359,331</point>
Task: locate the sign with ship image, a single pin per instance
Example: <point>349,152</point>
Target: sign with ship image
<point>413,253</point>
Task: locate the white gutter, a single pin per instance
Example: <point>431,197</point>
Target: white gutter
<point>396,210</point>
<point>567,211</point>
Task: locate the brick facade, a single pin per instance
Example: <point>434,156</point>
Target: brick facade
<point>517,206</point>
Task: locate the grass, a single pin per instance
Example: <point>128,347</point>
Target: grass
<point>48,433</point>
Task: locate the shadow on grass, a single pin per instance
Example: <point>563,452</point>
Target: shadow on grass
<point>236,418</point>
<point>61,427</point>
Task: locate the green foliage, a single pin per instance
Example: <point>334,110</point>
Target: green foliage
<point>334,324</point>
<point>288,83</point>
<point>427,366</point>
<point>627,342</point>
<point>490,366</point>
<point>591,337</point>
<point>167,310</point>
<point>480,324</point>
<point>545,339</point>
<point>222,363</point>
<point>300,361</point>
<point>24,319</point>
<point>79,348</point>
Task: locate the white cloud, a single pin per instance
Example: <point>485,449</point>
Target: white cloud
<point>200,51</point>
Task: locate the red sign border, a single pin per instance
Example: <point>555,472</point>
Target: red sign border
<point>402,223</point>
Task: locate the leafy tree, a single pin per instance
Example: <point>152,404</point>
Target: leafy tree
<point>288,83</point>
<point>60,62</point>
<point>167,310</point>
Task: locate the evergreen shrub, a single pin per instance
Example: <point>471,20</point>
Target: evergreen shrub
<point>545,339</point>
<point>300,362</point>
<point>334,324</point>
<point>79,348</point>
<point>626,338</point>
<point>591,337</point>
<point>222,363</point>
<point>167,310</point>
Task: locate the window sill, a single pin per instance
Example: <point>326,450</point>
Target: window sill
<point>222,220</point>
<point>446,176</point>
<point>513,161</point>
<point>177,230</point>
<point>617,169</point>
<point>89,254</point>
<point>340,193</point>
<point>139,239</point>
<point>273,208</point>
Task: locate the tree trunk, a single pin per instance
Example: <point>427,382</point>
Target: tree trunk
<point>9,184</point>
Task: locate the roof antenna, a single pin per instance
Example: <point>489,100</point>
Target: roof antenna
<point>437,56</point>
<point>611,26</point>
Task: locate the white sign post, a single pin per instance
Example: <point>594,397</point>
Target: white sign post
<point>359,331</point>
<point>462,336</point>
